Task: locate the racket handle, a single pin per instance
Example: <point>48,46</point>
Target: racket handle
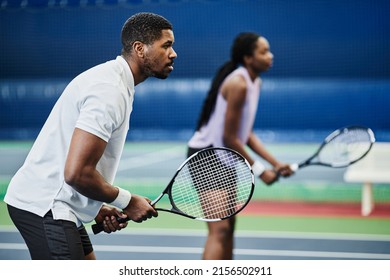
<point>97,228</point>
<point>294,167</point>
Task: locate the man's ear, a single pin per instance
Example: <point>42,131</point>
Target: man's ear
<point>139,48</point>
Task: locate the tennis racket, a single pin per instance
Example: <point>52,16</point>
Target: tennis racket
<point>341,148</point>
<point>211,185</point>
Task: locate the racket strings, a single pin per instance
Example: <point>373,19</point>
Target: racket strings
<point>227,179</point>
<point>205,174</point>
<point>214,184</point>
<point>220,197</point>
<point>346,147</point>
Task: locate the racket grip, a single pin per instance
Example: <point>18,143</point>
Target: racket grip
<point>294,167</point>
<point>97,228</point>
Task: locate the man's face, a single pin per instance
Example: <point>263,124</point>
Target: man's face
<point>158,60</point>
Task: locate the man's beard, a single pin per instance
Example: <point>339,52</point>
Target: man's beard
<point>148,66</point>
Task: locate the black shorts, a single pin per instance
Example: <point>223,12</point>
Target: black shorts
<point>191,151</point>
<point>49,239</point>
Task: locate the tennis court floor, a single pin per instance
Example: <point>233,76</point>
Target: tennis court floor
<point>147,167</point>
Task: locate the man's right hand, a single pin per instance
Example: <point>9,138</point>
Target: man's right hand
<point>139,209</point>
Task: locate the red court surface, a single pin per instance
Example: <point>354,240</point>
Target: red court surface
<point>341,209</point>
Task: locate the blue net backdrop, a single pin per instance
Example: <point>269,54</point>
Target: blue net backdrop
<point>331,65</point>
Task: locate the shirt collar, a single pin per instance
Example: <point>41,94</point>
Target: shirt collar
<point>128,74</point>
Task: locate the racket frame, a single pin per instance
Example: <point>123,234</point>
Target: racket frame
<point>96,228</point>
<point>168,188</point>
<point>330,137</point>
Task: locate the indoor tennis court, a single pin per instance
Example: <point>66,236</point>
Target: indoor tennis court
<point>330,70</point>
<point>313,215</point>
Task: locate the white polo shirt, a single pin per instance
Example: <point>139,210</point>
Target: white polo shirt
<point>98,101</point>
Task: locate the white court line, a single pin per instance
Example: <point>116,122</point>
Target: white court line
<point>241,234</point>
<point>13,246</point>
<point>237,251</point>
<point>251,252</point>
<point>197,250</point>
<point>258,234</point>
<point>150,158</point>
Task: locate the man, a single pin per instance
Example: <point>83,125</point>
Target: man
<point>227,119</point>
<point>68,174</point>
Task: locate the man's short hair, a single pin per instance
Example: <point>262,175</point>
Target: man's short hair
<point>143,27</point>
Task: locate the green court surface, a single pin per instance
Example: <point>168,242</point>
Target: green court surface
<point>262,223</point>
<point>147,167</point>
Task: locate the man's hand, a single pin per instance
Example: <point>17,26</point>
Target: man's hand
<point>139,209</point>
<point>108,216</point>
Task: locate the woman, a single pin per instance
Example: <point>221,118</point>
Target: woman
<point>226,120</point>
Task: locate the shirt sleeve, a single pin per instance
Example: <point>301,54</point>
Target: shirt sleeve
<point>102,112</point>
